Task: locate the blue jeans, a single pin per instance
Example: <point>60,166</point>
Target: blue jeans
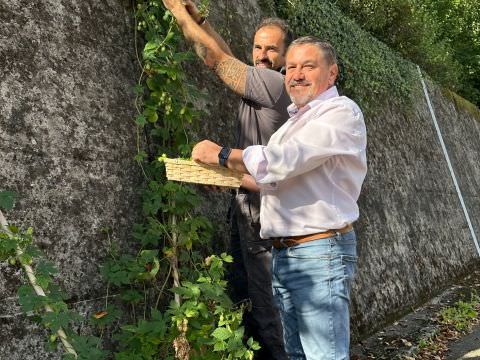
<point>311,286</point>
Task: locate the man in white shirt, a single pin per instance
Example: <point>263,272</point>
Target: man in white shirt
<point>310,175</point>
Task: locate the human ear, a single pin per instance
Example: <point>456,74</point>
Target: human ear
<point>333,73</point>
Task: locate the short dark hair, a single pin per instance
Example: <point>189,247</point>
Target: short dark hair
<point>329,52</point>
<point>282,25</point>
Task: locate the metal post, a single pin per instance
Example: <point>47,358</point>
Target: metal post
<point>445,152</point>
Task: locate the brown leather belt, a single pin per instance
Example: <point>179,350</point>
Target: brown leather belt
<point>284,242</point>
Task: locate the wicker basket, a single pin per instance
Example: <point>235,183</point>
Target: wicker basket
<point>192,172</point>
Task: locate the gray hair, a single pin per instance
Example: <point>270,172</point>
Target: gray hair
<point>282,25</point>
<point>329,52</point>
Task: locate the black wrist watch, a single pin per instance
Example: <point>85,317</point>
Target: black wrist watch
<point>223,156</point>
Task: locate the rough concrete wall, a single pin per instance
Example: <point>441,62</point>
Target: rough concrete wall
<point>67,139</point>
<point>413,235</point>
<point>67,142</point>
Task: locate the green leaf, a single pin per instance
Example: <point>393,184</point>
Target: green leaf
<point>142,155</point>
<point>190,313</point>
<point>219,346</point>
<point>132,296</point>
<point>194,288</point>
<point>8,247</point>
<point>182,291</point>
<point>46,268</point>
<point>13,229</point>
<point>55,321</point>
<point>28,300</point>
<point>169,36</point>
<point>167,15</point>
<point>222,333</point>
<point>140,120</point>
<point>256,346</point>
<point>25,259</point>
<point>7,200</point>
<point>151,115</point>
<point>157,315</point>
<point>88,348</point>
<point>116,273</point>
<point>227,258</point>
<point>149,50</point>
<point>43,281</point>
<point>203,309</point>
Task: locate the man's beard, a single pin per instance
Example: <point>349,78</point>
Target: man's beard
<point>304,99</point>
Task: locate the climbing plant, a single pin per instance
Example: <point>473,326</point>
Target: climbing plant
<point>369,70</point>
<point>171,300</point>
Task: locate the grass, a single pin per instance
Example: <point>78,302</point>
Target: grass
<point>454,321</point>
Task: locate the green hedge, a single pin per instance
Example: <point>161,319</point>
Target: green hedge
<point>371,72</point>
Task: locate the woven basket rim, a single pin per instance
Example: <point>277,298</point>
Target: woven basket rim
<point>194,163</point>
<point>201,173</point>
<point>185,162</point>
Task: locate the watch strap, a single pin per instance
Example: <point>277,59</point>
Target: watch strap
<point>223,156</point>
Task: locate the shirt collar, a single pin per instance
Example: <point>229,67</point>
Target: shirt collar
<point>327,94</point>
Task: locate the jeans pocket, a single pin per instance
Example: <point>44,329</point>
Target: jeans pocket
<point>350,269</point>
<point>350,263</point>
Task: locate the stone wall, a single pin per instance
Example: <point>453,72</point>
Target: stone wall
<point>67,141</point>
<point>413,235</point>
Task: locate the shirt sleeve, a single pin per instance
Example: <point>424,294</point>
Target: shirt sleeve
<point>339,130</point>
<point>264,86</point>
<point>255,161</point>
<point>256,164</point>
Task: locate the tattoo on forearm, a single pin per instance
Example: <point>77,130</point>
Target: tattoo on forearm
<point>233,73</point>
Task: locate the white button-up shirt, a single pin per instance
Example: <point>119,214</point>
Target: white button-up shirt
<point>312,169</point>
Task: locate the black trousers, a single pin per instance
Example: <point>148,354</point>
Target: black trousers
<point>250,276</point>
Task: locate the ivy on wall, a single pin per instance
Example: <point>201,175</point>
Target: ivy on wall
<point>370,72</point>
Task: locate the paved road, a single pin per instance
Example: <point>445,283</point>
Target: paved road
<point>467,348</point>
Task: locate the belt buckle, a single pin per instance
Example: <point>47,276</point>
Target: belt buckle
<point>282,241</point>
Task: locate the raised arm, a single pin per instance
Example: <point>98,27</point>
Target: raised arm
<point>197,17</point>
<point>209,46</point>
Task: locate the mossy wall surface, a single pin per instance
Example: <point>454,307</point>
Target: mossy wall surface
<point>67,143</point>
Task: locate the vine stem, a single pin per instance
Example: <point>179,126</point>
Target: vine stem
<point>174,261</point>
<point>163,287</point>
<point>38,289</point>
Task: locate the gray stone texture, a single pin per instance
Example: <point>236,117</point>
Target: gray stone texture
<point>413,235</point>
<point>67,142</point>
